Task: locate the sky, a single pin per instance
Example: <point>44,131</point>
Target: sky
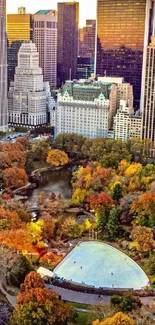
<point>87,7</point>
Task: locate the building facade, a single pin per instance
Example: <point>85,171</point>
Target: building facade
<point>68,22</point>
<point>45,38</point>
<point>27,99</point>
<point>19,29</point>
<point>85,68</point>
<point>123,30</point>
<point>88,118</point>
<point>126,125</point>
<point>87,36</point>
<point>3,67</point>
<point>148,125</point>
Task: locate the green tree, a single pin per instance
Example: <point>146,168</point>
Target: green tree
<point>113,223</point>
<point>117,192</point>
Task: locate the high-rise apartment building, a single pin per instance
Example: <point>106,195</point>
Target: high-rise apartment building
<point>3,67</point>
<point>87,36</point>
<point>45,38</point>
<point>27,99</point>
<point>19,29</point>
<point>123,30</point>
<point>68,22</point>
<point>125,124</point>
<point>148,124</point>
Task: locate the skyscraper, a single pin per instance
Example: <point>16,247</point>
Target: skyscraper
<point>68,22</point>
<point>122,32</point>
<point>19,29</point>
<point>148,124</point>
<point>87,39</point>
<point>3,67</point>
<point>27,99</point>
<point>45,38</point>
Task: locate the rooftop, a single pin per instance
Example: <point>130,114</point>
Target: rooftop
<point>42,12</point>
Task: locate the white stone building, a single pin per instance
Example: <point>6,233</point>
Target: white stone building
<point>148,125</point>
<point>119,91</point>
<point>27,98</point>
<point>45,38</point>
<point>125,125</point>
<point>88,118</point>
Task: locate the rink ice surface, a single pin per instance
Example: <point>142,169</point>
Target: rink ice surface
<point>100,265</point>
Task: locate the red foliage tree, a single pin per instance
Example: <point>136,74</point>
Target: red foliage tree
<point>14,176</point>
<point>100,203</point>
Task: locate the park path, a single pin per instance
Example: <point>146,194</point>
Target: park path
<point>11,299</point>
<point>90,299</point>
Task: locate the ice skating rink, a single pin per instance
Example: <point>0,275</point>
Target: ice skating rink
<point>100,265</point>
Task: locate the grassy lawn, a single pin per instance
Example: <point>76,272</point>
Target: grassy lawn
<point>78,305</point>
<point>82,318</point>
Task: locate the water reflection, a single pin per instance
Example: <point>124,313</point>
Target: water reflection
<point>58,182</point>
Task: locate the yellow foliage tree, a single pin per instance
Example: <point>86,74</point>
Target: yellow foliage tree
<point>87,225</point>
<point>79,196</point>
<point>117,319</point>
<point>133,169</point>
<point>57,158</point>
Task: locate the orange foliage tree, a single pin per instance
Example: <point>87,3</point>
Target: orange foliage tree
<point>9,219</point>
<point>100,203</point>
<point>57,158</point>
<point>18,239</point>
<point>39,305</point>
<point>14,176</point>
<point>143,239</point>
<point>117,319</point>
<point>145,205</point>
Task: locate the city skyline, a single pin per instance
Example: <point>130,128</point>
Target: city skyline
<point>33,7</point>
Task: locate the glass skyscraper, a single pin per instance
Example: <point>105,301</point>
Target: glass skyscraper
<point>3,67</point>
<point>121,35</point>
<point>68,22</point>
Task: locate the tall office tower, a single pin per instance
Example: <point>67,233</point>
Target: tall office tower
<point>148,124</point>
<point>3,67</point>
<point>68,22</point>
<point>19,29</point>
<point>45,38</point>
<point>87,39</point>
<point>27,99</point>
<point>123,28</point>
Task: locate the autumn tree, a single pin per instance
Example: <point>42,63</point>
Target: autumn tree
<point>38,305</point>
<point>143,239</point>
<point>57,158</point>
<point>32,281</point>
<point>100,203</point>
<point>69,142</point>
<point>117,319</point>
<point>25,143</point>
<point>144,208</point>
<point>15,177</point>
<point>40,150</point>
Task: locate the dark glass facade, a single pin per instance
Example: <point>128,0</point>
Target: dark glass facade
<point>68,22</point>
<point>87,36</point>
<point>120,40</point>
<point>20,28</point>
<point>85,68</point>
